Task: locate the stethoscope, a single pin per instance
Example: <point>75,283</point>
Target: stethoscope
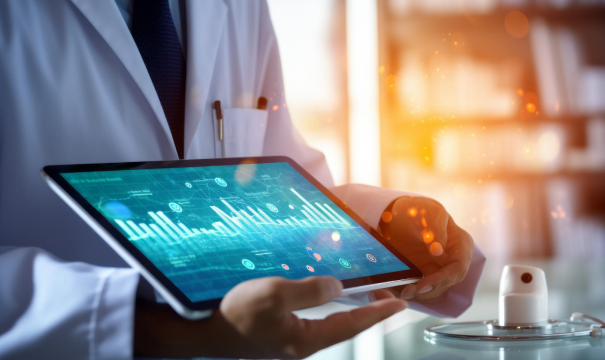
<point>578,325</point>
<point>523,314</point>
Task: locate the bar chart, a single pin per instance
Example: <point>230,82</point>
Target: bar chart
<point>234,222</point>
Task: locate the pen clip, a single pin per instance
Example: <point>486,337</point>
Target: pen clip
<point>219,118</point>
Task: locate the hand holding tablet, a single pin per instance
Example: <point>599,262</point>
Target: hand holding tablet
<point>195,229</point>
<point>255,320</point>
<point>425,233</point>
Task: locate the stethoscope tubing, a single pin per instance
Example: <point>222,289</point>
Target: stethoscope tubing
<point>595,331</point>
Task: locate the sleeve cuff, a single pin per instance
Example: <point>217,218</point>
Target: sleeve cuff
<point>112,324</point>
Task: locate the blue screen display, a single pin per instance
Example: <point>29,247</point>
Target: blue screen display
<point>209,228</point>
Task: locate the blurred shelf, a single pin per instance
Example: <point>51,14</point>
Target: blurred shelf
<point>499,122</point>
<point>495,17</point>
<point>514,175</point>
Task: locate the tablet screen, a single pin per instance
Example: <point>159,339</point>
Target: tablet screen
<point>209,228</point>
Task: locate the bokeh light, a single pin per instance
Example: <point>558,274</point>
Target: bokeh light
<point>336,236</point>
<point>412,212</point>
<point>244,173</point>
<point>516,24</point>
<point>387,217</point>
<point>436,249</point>
<point>427,236</point>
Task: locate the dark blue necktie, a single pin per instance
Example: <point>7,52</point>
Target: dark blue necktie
<point>155,35</point>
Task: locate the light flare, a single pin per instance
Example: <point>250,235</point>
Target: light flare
<point>413,212</point>
<point>427,236</point>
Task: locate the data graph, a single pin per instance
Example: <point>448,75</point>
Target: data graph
<point>239,221</point>
<point>209,228</point>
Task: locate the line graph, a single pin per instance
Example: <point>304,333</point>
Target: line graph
<point>234,223</point>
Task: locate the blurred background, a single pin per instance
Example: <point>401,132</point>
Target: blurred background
<point>496,108</point>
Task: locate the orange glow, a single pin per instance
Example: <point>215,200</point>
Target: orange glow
<point>424,222</point>
<point>554,214</point>
<point>381,70</point>
<point>317,256</point>
<point>516,24</point>
<point>562,214</point>
<point>436,249</point>
<point>275,107</point>
<point>520,92</point>
<point>530,107</point>
<point>390,82</point>
<point>427,236</point>
<point>413,212</point>
<point>387,217</point>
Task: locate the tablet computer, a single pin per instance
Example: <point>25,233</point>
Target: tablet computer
<point>196,228</point>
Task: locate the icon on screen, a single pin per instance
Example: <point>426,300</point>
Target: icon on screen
<point>344,263</point>
<point>285,266</point>
<point>272,207</point>
<point>175,207</point>
<point>220,182</point>
<point>371,257</point>
<point>188,184</point>
<point>310,268</point>
<point>248,264</point>
<point>315,255</point>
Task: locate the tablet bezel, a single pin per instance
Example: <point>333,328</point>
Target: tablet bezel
<point>54,172</point>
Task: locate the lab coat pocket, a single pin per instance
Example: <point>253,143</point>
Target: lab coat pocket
<point>244,132</point>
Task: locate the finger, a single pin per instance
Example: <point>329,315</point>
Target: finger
<point>438,253</point>
<point>462,247</point>
<point>290,295</point>
<point>439,282</point>
<point>381,294</point>
<point>342,326</point>
<point>409,292</point>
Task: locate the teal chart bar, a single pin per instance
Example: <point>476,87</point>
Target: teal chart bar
<point>209,228</point>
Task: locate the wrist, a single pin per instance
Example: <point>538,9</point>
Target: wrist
<point>161,332</point>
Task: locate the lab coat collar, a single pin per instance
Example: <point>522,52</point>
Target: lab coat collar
<point>105,17</point>
<point>205,22</point>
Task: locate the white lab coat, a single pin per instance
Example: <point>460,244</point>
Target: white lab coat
<point>74,89</point>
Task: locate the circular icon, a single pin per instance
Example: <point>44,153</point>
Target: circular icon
<point>310,268</point>
<point>220,182</point>
<point>175,207</point>
<point>344,263</point>
<point>272,207</point>
<point>248,264</point>
<point>188,184</point>
<point>371,257</point>
<point>336,236</point>
<point>285,266</point>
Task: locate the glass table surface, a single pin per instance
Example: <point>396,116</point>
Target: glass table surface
<point>573,286</point>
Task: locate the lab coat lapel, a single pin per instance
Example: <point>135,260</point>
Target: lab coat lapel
<point>205,22</point>
<point>105,17</point>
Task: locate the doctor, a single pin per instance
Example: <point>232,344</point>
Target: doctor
<point>85,81</point>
